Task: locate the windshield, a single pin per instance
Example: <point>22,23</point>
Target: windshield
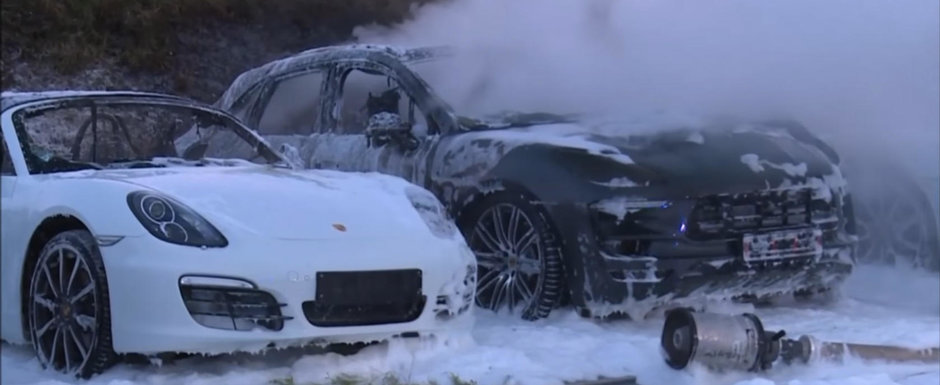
<point>438,73</point>
<point>98,133</point>
<point>473,94</point>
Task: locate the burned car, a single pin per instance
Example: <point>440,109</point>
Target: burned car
<point>557,211</point>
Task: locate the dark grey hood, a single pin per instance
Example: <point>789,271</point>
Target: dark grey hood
<point>719,158</point>
<point>729,159</point>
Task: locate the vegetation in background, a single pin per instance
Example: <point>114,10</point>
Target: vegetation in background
<point>169,37</point>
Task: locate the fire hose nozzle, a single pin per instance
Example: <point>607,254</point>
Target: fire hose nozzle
<point>809,349</point>
<point>740,342</point>
<point>717,341</point>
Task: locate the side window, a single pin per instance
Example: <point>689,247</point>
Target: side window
<point>366,94</point>
<point>241,106</point>
<point>7,168</point>
<point>293,107</point>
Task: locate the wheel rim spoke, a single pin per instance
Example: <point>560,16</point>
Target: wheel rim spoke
<point>65,350</point>
<point>500,291</point>
<point>90,287</point>
<point>78,344</point>
<point>60,257</point>
<point>75,265</point>
<point>498,225</point>
<point>513,226</point>
<point>525,241</point>
<point>523,288</point>
<point>509,292</point>
<point>45,328</point>
<point>45,303</point>
<point>489,260</point>
<point>487,280</point>
<point>48,274</point>
<point>85,321</point>
<point>489,240</point>
<point>55,344</point>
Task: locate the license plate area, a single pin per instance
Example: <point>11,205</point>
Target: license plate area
<point>357,298</point>
<point>368,287</point>
<point>782,245</point>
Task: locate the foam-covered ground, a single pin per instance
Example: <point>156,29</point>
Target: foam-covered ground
<point>880,305</point>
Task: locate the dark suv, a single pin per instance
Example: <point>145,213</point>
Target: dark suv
<point>560,212</point>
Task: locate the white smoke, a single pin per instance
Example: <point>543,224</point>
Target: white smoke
<point>862,74</point>
<point>852,68</point>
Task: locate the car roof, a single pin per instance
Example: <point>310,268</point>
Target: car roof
<point>316,56</point>
<point>10,99</point>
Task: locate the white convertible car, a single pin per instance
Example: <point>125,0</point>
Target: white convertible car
<point>116,240</point>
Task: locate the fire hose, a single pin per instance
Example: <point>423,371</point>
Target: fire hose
<point>740,342</point>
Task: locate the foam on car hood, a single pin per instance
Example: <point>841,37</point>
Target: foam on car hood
<point>282,203</point>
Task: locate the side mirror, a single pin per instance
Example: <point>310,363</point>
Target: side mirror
<point>385,127</point>
<point>385,124</point>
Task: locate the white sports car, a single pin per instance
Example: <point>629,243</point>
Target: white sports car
<point>116,240</point>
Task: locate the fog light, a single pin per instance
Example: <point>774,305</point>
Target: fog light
<point>232,307</point>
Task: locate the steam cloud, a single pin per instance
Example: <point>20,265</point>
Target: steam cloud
<point>864,73</point>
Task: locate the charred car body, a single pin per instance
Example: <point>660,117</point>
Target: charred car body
<point>557,212</point>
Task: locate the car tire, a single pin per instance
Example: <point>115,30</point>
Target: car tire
<point>68,310</point>
<point>894,219</point>
<point>519,257</point>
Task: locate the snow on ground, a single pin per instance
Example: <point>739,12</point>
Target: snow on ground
<point>881,305</point>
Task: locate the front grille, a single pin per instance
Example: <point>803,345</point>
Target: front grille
<point>233,308</point>
<point>728,215</point>
<point>356,298</point>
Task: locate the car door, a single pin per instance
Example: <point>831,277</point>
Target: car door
<point>363,93</point>
<point>286,109</point>
<point>13,235</point>
<point>7,202</point>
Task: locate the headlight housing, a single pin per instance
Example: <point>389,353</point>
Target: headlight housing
<point>432,211</point>
<point>172,221</point>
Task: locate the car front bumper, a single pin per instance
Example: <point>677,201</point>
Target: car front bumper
<point>149,314</point>
<point>651,257</point>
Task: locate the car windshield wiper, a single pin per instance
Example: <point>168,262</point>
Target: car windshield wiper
<point>58,164</point>
<point>202,162</point>
<point>133,163</point>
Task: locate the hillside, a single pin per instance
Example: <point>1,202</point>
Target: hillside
<point>189,47</point>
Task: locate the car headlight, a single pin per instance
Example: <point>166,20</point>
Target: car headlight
<point>432,211</point>
<point>172,221</point>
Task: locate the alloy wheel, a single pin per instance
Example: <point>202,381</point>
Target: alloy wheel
<point>509,258</point>
<point>891,230</point>
<point>62,309</point>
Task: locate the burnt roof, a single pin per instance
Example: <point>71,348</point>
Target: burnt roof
<point>318,56</point>
<point>9,99</point>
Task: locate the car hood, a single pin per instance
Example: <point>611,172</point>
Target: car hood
<point>709,159</point>
<point>282,203</point>
<point>724,160</point>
